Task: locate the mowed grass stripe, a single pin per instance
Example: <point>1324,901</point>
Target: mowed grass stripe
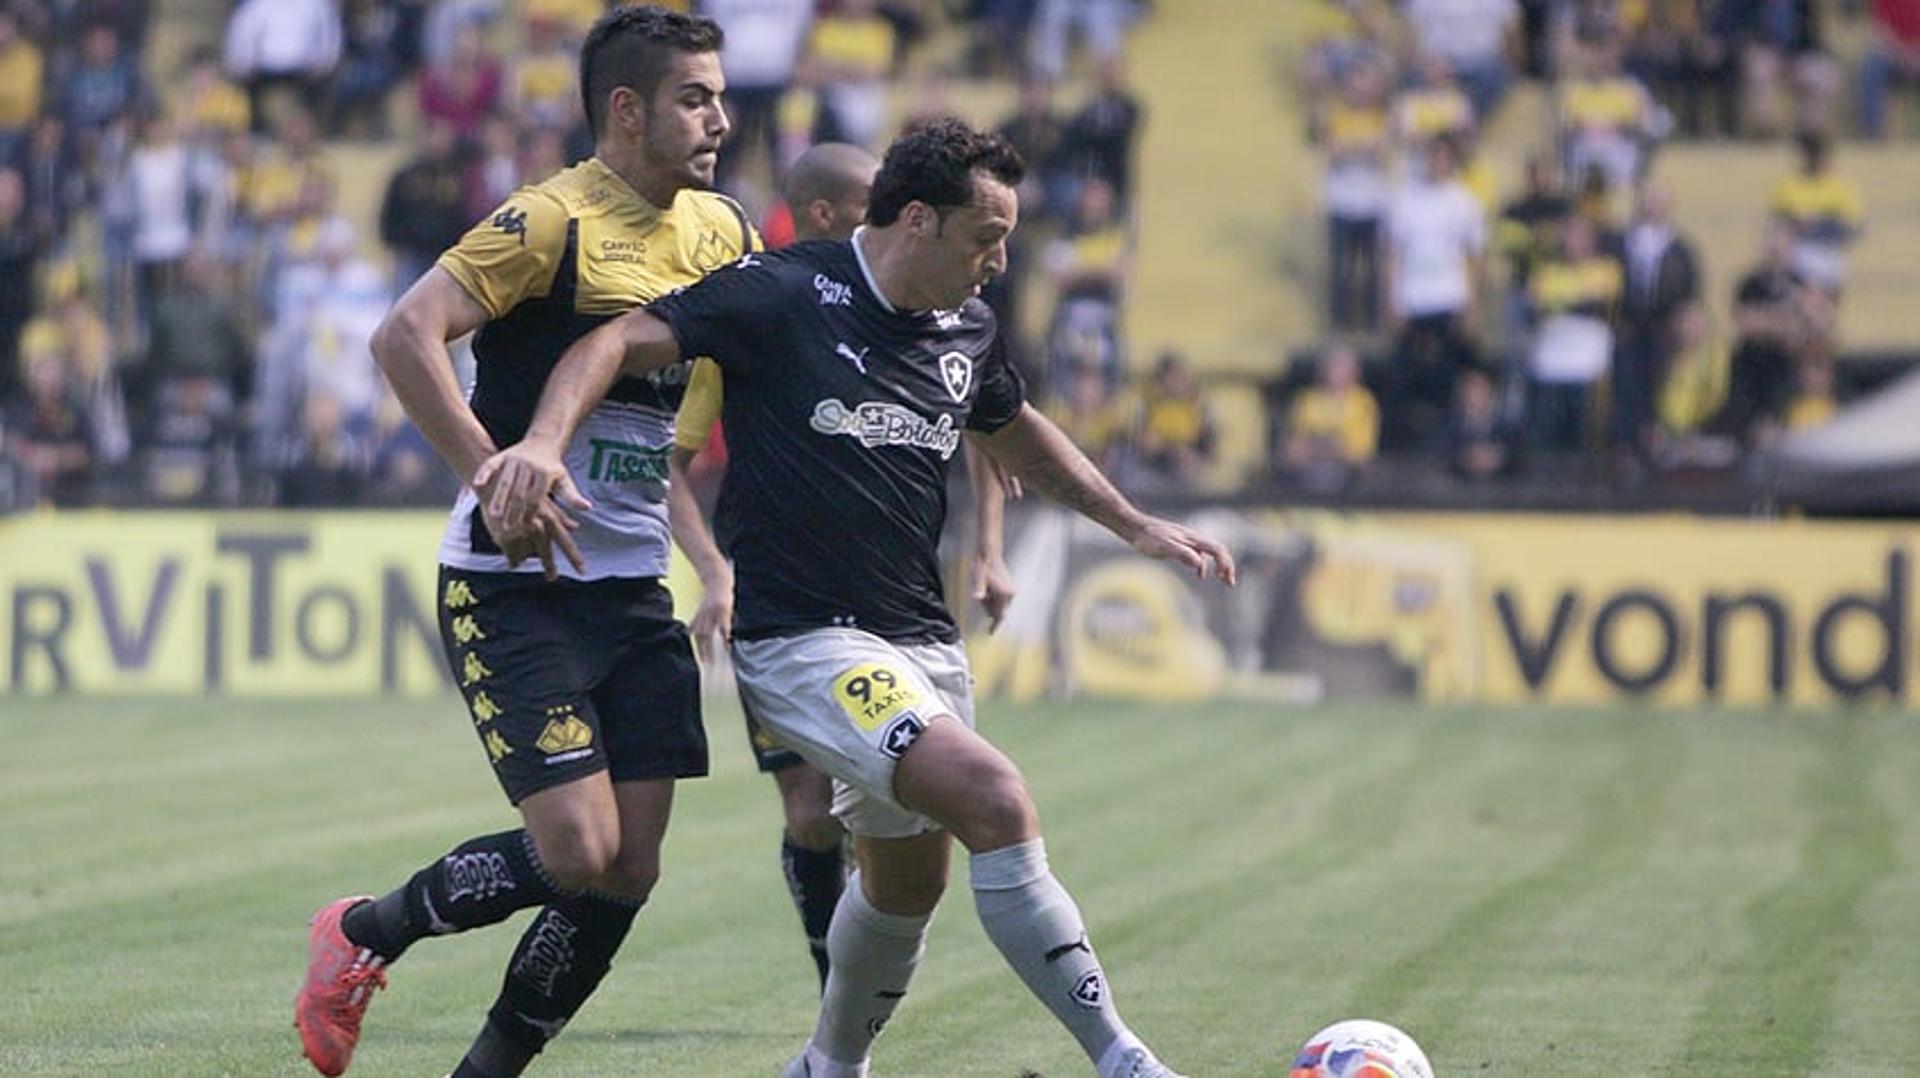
<point>1879,992</point>
<point>1770,1008</point>
<point>1219,913</point>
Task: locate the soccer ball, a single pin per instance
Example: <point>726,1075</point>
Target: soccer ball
<point>1361,1048</point>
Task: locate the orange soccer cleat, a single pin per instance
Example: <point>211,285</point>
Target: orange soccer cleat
<point>341,978</point>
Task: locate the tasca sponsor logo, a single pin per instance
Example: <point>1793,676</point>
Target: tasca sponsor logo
<point>625,462</point>
<point>876,423</point>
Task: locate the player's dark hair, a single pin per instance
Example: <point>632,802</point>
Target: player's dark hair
<point>934,163</point>
<point>633,47</point>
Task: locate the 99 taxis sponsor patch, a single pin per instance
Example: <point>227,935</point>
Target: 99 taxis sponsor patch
<point>872,694</point>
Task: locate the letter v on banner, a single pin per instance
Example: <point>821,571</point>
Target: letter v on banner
<point>1536,658</point>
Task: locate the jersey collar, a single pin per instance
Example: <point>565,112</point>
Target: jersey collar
<point>866,272</point>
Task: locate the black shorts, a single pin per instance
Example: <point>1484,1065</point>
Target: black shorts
<point>566,678</point>
<point>768,754</point>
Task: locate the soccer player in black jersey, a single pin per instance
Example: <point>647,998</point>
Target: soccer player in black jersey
<point>850,372</point>
<point>583,690</point>
<point>827,188</point>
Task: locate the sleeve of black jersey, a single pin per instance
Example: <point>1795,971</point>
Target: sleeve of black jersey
<point>724,314</point>
<point>1002,391</point>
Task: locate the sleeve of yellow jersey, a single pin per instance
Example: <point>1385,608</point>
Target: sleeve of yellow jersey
<point>512,254</point>
<point>700,408</point>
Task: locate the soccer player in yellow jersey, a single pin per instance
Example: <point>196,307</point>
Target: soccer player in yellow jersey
<point>582,687</point>
<point>826,188</point>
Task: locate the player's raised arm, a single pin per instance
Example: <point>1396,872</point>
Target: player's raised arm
<point>410,347</point>
<point>524,475</point>
<point>1040,455</point>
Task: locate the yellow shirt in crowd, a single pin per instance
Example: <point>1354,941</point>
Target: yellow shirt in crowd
<point>21,71</point>
<point>861,48</point>
<point>1609,104</point>
<point>1823,207</point>
<point>1349,419</point>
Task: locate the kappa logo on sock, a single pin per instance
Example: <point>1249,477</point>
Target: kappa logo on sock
<point>1090,991</point>
<point>901,733</point>
<point>549,953</point>
<point>875,1025</point>
<point>480,875</point>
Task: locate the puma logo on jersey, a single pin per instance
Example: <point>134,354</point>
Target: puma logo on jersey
<point>858,359</point>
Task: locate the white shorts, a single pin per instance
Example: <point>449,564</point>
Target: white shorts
<point>850,703</point>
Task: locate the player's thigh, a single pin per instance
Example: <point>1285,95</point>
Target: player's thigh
<point>526,671</point>
<point>904,876</point>
<point>955,776</point>
<point>648,695</point>
<point>851,704</point>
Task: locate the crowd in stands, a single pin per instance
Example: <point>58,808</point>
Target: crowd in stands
<point>1556,321</point>
<point>188,307</point>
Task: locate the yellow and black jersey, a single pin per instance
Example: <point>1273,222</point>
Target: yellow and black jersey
<point>554,261</point>
<point>1613,104</point>
<point>1824,208</point>
<point>561,257</point>
<point>1588,287</point>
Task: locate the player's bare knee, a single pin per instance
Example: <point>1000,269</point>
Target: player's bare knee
<point>575,854</point>
<point>1000,812</point>
<point>632,874</point>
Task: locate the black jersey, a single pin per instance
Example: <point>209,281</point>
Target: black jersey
<point>842,415</point>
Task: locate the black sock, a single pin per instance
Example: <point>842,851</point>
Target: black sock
<point>560,960</point>
<point>815,879</point>
<point>480,882</point>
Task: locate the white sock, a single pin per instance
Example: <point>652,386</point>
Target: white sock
<point>872,955</point>
<point>1032,919</point>
<point>819,1066</point>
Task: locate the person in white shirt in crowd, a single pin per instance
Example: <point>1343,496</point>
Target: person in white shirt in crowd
<point>1436,240</point>
<point>1474,37</point>
<point>764,38</point>
<point>158,181</point>
<point>328,309</point>
<point>282,43</point>
<point>1101,24</point>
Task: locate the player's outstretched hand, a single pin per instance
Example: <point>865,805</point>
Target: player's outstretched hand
<point>992,587</point>
<point>713,622</point>
<point>1167,541</point>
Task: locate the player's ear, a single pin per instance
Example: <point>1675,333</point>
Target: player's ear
<point>626,111</point>
<point>920,218</point>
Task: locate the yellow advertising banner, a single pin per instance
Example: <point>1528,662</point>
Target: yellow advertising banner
<point>1685,610</point>
<point>252,604</point>
<point>1505,609</point>
<point>1508,609</point>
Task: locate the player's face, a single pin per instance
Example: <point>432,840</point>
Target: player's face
<point>969,248</point>
<point>686,122</point>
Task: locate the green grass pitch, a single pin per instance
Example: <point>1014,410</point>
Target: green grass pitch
<point>1528,893</point>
